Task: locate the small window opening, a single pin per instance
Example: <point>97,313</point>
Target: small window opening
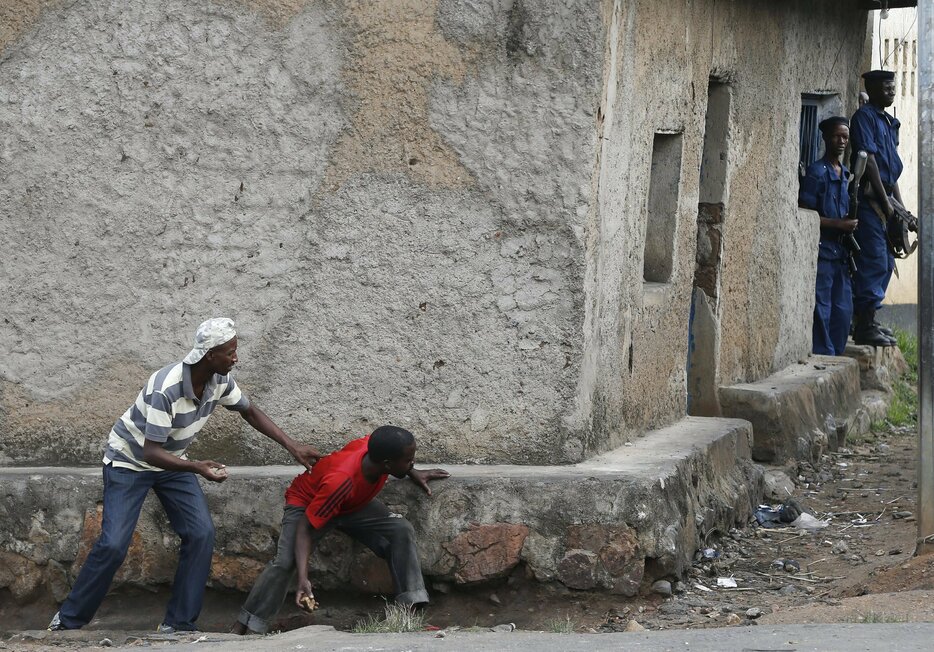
<point>814,108</point>
<point>662,210</point>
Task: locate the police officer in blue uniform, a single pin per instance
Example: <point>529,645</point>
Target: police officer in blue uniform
<point>824,189</point>
<point>876,132</point>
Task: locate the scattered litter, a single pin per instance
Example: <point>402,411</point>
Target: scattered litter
<point>808,522</point>
<point>505,627</point>
<point>787,565</point>
<point>769,516</point>
<point>704,588</point>
<point>792,566</point>
<point>726,582</point>
<point>710,553</point>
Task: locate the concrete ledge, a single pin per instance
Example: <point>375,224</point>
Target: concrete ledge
<point>612,523</point>
<point>798,412</point>
<point>878,366</point>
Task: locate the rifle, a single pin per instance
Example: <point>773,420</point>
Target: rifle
<point>902,222</point>
<point>896,227</point>
<point>848,240</point>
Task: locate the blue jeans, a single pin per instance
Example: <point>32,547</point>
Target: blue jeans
<point>187,509</point>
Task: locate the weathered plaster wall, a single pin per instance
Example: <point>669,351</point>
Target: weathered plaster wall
<point>424,212</point>
<point>386,196</point>
<point>656,81</point>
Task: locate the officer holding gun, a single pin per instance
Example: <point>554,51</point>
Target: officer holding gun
<point>824,189</point>
<point>875,132</point>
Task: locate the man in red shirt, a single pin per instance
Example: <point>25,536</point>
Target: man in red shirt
<point>340,492</point>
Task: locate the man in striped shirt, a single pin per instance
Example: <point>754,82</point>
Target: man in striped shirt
<point>146,450</point>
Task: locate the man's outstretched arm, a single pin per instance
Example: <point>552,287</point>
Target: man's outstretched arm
<point>302,551</point>
<point>305,454</point>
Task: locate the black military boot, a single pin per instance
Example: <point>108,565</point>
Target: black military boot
<point>888,332</point>
<point>865,331</point>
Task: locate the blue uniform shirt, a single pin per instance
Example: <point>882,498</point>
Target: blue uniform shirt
<point>876,132</point>
<point>825,192</point>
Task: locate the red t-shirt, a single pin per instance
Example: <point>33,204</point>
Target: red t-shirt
<point>335,485</point>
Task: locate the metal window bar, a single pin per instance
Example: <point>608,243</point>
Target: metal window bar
<point>808,135</point>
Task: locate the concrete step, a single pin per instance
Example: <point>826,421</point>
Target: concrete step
<point>879,366</point>
<point>800,411</point>
<point>614,523</point>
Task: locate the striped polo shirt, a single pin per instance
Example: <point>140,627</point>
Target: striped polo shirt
<point>168,412</point>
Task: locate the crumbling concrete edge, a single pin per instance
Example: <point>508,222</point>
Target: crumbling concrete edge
<point>614,523</point>
<point>798,412</point>
<point>807,408</point>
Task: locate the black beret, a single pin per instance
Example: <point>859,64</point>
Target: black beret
<point>878,75</point>
<point>831,122</point>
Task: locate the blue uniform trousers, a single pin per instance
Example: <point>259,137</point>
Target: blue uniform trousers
<point>184,503</point>
<point>833,306</point>
<point>874,263</point>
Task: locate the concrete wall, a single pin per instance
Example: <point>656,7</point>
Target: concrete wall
<point>430,213</point>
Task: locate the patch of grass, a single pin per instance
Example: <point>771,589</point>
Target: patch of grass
<point>562,626</point>
<point>877,617</point>
<point>396,619</point>
<point>908,344</point>
<point>903,410</point>
<point>874,428</point>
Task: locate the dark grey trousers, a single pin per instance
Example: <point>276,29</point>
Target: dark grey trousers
<point>388,535</point>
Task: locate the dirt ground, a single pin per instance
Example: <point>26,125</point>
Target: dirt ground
<point>858,568</point>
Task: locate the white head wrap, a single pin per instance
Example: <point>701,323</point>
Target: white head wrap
<point>213,332</point>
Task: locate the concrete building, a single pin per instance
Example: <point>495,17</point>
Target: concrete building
<point>529,231</point>
<point>532,232</point>
<point>895,47</point>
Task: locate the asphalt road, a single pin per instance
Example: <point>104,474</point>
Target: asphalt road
<point>900,637</point>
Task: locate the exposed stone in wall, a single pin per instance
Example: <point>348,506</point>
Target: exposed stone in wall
<point>602,557</point>
<point>709,243</point>
<point>21,576</point>
<point>235,571</point>
<point>630,516</point>
<point>486,552</point>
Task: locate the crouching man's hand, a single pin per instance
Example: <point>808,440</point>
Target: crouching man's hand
<point>421,478</point>
<point>303,594</point>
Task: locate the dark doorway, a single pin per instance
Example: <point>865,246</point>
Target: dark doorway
<point>704,319</point>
